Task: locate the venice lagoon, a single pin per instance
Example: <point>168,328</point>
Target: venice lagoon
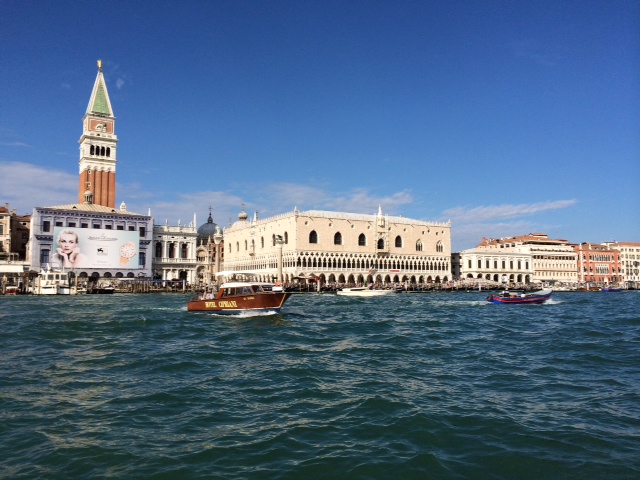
<point>425,386</point>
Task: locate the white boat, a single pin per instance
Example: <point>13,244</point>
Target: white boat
<point>363,292</point>
<point>52,282</point>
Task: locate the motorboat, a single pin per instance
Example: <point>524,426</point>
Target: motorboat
<point>363,292</point>
<point>507,296</point>
<point>52,282</point>
<point>612,289</point>
<point>240,292</point>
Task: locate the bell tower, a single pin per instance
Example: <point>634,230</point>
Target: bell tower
<point>98,148</point>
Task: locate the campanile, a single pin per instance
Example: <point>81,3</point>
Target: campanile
<point>98,148</point>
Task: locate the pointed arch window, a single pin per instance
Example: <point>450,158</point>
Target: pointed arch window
<point>313,237</point>
<point>362,240</point>
<point>399,241</point>
<point>286,238</point>
<point>419,246</point>
<point>337,239</point>
<point>439,247</point>
<point>380,244</point>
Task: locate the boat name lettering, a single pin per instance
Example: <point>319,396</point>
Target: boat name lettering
<point>227,304</point>
<point>221,304</point>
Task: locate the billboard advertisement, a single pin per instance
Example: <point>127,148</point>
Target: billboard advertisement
<point>75,248</point>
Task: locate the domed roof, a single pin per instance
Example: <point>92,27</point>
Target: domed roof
<point>207,230</point>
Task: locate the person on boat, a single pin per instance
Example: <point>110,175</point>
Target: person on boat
<point>68,250</point>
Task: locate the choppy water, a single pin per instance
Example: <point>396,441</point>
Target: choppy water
<point>436,385</point>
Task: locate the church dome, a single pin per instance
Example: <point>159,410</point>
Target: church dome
<point>207,230</point>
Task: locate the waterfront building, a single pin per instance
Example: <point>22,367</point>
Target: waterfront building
<point>343,248</point>
<point>598,263</point>
<point>5,232</point>
<point>528,258</point>
<point>174,252</point>
<point>112,242</point>
<point>210,251</point>
<point>14,236</point>
<point>92,238</point>
<point>497,261</point>
<point>629,261</point>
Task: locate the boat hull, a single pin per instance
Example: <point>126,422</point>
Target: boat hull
<point>529,298</point>
<point>235,305</point>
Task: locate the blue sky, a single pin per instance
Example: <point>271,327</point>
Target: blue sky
<point>505,117</point>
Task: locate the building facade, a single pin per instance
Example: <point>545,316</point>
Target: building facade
<point>174,252</point>
<point>503,263</point>
<point>210,252</point>
<point>112,243</point>
<point>532,258</point>
<point>598,263</point>
<point>629,261</point>
<point>340,248</point>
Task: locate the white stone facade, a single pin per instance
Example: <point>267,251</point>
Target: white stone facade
<point>174,252</point>
<point>523,259</point>
<point>338,247</point>
<point>503,265</point>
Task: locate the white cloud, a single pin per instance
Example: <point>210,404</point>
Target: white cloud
<point>25,186</point>
<point>502,212</point>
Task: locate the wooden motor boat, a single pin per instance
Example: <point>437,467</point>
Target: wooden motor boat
<point>240,293</point>
<point>506,296</point>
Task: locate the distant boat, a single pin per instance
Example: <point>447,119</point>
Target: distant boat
<point>52,282</point>
<point>363,292</point>
<point>240,292</point>
<point>612,289</point>
<point>540,296</point>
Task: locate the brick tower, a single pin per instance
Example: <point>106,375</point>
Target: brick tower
<point>98,148</point>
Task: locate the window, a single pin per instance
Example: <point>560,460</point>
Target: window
<point>286,238</point>
<point>172,250</point>
<point>46,226</point>
<point>96,225</point>
<point>1,229</point>
<point>58,224</point>
<point>119,227</point>
<point>313,237</point>
<point>337,239</point>
<point>418,246</point>
<point>439,247</point>
<point>108,227</point>
<point>398,241</point>
<point>261,242</point>
<point>132,228</point>
<point>183,250</point>
<point>143,231</point>
<point>380,244</point>
<point>158,250</point>
<point>44,256</point>
<point>84,225</point>
<point>72,224</point>
<point>362,240</point>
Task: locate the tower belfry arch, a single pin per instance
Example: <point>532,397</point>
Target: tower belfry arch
<point>98,152</point>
